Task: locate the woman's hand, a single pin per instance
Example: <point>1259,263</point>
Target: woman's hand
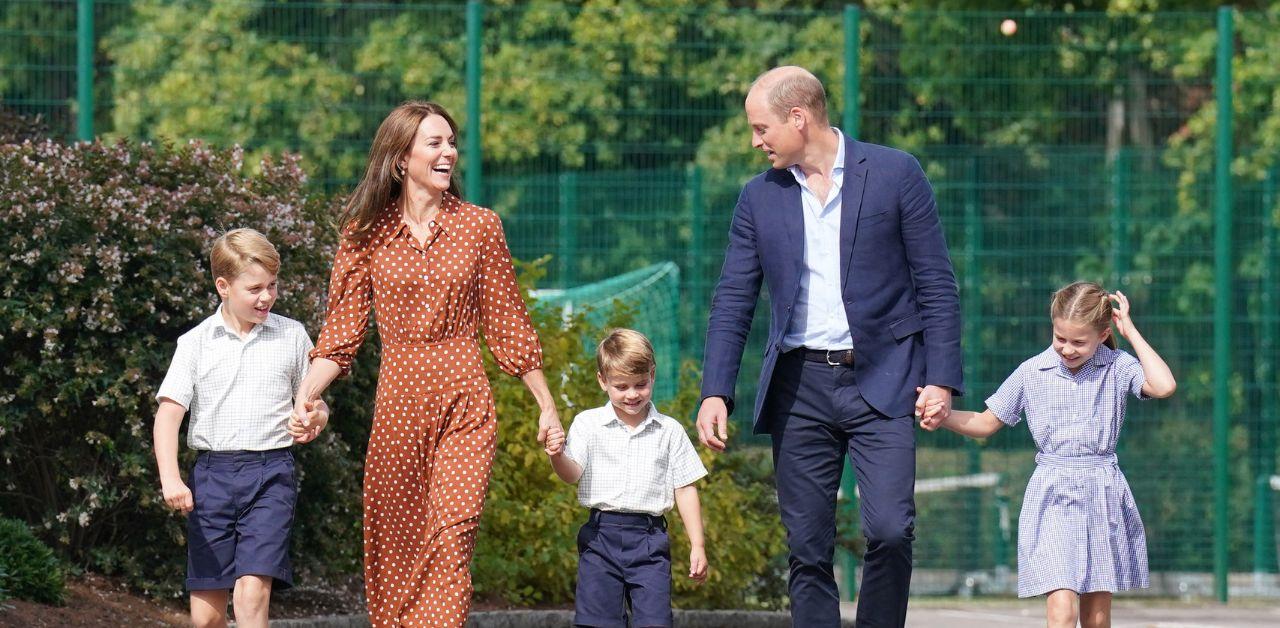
<point>548,421</point>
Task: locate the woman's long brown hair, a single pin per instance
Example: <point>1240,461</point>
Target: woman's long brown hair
<point>381,183</point>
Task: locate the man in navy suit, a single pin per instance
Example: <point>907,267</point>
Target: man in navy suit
<point>865,311</point>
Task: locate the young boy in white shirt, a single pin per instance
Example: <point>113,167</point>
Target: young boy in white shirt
<point>236,372</point>
<point>631,463</point>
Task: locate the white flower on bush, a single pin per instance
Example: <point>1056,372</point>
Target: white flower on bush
<point>83,520</point>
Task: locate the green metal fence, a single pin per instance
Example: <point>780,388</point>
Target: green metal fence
<point>610,136</point>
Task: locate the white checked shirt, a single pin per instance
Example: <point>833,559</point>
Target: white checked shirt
<point>239,391</point>
<point>819,321</point>
<point>625,470</point>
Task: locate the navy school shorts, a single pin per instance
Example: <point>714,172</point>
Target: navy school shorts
<point>243,516</point>
<point>624,560</point>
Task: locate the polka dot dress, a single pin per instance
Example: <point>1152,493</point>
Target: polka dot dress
<point>434,429</point>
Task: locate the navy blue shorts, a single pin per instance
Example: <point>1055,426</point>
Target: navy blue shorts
<point>624,560</point>
<point>243,515</point>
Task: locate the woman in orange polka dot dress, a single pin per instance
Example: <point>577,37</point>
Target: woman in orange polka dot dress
<point>437,271</point>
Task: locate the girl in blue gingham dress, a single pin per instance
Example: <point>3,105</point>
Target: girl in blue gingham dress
<point>1079,535</point>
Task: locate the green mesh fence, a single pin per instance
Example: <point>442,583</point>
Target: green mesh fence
<point>1080,145</point>
<point>650,296</point>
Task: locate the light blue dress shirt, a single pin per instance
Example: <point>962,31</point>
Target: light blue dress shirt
<point>819,320</point>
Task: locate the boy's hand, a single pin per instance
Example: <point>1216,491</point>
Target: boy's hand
<point>555,441</point>
<point>177,496</point>
<point>306,428</point>
<point>929,411</point>
<point>698,564</point>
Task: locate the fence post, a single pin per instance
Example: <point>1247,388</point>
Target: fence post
<point>1264,549</point>
<point>1120,199</point>
<point>693,275</point>
<point>568,227</point>
<point>1222,297</point>
<point>852,86</point>
<point>475,158</point>
<point>852,69</point>
<point>84,70</point>
<point>971,301</point>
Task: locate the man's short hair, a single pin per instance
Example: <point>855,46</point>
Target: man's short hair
<point>625,352</point>
<point>235,250</point>
<point>790,87</point>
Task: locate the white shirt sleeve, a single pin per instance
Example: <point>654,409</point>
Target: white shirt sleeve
<point>301,357</point>
<point>685,467</point>
<point>576,443</point>
<point>180,381</point>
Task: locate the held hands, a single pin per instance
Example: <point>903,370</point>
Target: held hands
<point>932,407</point>
<point>713,417</point>
<point>308,420</point>
<point>549,425</point>
<point>1120,314</point>
<point>176,495</point>
<point>698,564</point>
<point>554,441</point>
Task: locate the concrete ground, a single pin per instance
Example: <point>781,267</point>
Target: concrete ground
<point>971,613</point>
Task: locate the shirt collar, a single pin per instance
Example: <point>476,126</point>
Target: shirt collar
<point>445,221</point>
<point>609,416</point>
<point>218,325</point>
<point>836,168</point>
<point>1049,359</point>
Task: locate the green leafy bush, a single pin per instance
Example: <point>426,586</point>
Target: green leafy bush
<point>28,568</point>
<point>103,264</point>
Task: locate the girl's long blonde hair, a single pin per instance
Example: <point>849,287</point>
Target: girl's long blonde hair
<point>1084,302</point>
<point>382,183</point>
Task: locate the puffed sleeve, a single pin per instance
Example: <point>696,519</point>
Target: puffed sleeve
<point>350,302</point>
<point>1010,400</point>
<point>504,318</point>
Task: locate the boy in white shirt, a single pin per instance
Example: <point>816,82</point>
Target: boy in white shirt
<point>236,372</point>
<point>631,464</point>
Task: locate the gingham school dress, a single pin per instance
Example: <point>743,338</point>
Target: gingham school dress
<point>1079,528</point>
<point>434,430</point>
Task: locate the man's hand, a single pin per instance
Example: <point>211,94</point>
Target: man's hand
<point>933,406</point>
<point>177,495</point>
<point>713,418</point>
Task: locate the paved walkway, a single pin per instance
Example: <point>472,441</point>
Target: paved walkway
<point>955,613</point>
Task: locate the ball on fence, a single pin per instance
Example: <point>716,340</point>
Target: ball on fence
<point>1008,27</point>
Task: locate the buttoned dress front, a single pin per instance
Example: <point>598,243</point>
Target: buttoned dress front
<point>434,427</point>
<point>1079,528</point>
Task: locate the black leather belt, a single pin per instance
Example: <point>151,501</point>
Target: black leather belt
<point>833,357</point>
<point>627,519</point>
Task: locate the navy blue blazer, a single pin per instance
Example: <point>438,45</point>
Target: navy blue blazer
<point>900,294</point>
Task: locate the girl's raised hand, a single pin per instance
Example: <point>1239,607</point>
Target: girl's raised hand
<point>1120,313</point>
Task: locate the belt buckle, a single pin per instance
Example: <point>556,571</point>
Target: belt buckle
<point>829,362</point>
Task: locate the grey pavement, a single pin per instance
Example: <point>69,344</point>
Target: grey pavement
<point>960,613</point>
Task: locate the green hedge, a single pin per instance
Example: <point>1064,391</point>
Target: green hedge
<point>28,568</point>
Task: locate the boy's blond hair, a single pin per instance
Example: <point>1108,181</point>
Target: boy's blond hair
<point>625,352</point>
<point>235,250</point>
